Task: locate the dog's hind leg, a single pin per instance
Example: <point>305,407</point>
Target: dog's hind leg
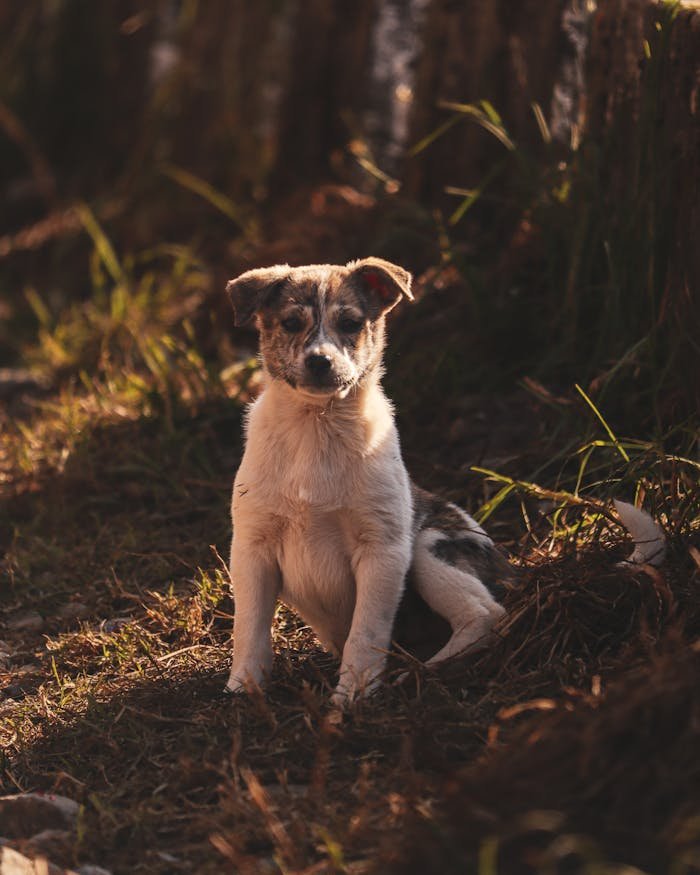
<point>454,573</point>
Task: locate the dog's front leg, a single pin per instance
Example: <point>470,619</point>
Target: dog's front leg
<point>379,579</point>
<point>255,579</point>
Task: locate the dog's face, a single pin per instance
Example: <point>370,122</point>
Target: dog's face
<point>321,326</point>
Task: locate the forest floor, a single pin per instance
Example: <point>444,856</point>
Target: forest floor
<point>569,746</point>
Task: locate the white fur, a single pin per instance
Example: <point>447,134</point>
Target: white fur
<point>456,594</point>
<point>322,515</point>
<point>648,536</point>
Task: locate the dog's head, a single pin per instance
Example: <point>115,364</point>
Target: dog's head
<point>321,326</point>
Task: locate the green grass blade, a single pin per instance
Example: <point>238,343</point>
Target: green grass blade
<point>616,443</point>
<point>423,144</point>
<point>205,190</point>
<point>545,133</point>
<point>540,491</point>
<point>490,110</point>
<point>494,503</point>
<point>103,246</point>
<point>39,308</point>
<point>483,119</point>
<point>582,468</point>
<point>473,195</point>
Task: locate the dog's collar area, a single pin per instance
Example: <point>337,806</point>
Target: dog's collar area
<point>318,395</point>
<point>312,396</point>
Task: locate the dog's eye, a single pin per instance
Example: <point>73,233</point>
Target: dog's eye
<point>348,325</point>
<point>292,324</point>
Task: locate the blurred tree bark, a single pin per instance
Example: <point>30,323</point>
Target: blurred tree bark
<point>643,115</point>
<point>326,89</point>
<point>506,53</point>
<point>74,72</point>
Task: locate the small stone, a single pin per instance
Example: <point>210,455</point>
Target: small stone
<point>114,624</point>
<point>26,814</point>
<point>5,655</point>
<point>73,611</point>
<point>25,621</point>
<point>22,679</point>
<point>13,693</point>
<point>57,845</point>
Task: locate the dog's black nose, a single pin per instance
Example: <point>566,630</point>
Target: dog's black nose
<point>319,365</point>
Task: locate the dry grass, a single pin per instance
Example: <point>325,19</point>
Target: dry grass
<point>114,516</point>
<point>122,515</point>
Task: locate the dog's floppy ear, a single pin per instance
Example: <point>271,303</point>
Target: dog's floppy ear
<point>252,289</point>
<point>383,282</point>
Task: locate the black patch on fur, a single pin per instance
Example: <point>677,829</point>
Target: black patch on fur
<point>476,553</point>
<point>432,512</point>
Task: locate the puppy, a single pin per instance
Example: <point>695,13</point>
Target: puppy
<point>325,516</point>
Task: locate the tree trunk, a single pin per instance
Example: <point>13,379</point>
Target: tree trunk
<point>502,52</point>
<point>644,116</point>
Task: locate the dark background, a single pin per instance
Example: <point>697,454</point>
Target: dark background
<point>308,130</point>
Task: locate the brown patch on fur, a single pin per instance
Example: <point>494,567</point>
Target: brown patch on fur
<point>319,296</point>
<point>369,346</point>
<point>250,291</point>
<point>275,347</point>
<point>382,283</point>
<point>432,512</point>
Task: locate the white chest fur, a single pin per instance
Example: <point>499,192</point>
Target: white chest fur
<point>314,486</point>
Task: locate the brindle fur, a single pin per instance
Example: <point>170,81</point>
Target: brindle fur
<point>310,297</point>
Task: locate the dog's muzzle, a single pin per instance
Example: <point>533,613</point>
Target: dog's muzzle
<point>319,374</point>
<point>318,366</point>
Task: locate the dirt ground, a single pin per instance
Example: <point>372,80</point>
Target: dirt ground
<point>570,746</point>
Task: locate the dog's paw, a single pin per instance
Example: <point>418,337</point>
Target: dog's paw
<point>243,682</point>
<point>341,700</point>
<point>234,688</point>
<point>347,694</point>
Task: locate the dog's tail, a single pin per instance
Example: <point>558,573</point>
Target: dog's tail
<point>648,536</point>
